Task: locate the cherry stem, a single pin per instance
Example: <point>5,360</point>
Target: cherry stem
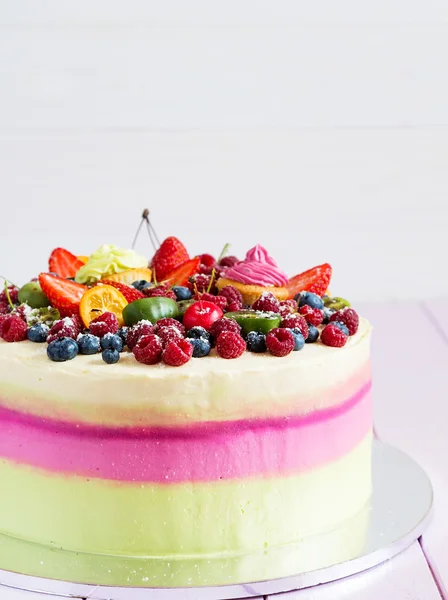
<point>151,231</point>
<point>223,252</point>
<point>211,280</point>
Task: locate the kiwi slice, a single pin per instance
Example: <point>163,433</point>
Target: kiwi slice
<point>335,303</point>
<point>255,320</point>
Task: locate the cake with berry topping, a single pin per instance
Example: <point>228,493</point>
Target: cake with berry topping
<point>189,408</point>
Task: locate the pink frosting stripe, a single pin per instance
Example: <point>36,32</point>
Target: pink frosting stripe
<point>219,451</point>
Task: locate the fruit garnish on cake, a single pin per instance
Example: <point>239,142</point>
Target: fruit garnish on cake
<point>172,308</point>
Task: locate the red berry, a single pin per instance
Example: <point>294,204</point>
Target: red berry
<point>287,307</point>
<point>105,323</point>
<point>228,261</point>
<point>218,300</point>
<point>168,322</point>
<point>13,292</point>
<point>314,280</point>
<point>313,316</point>
<point>63,294</point>
<point>169,334</point>
<point>224,324</point>
<point>171,254</point>
<point>66,327</point>
<point>160,291</point>
<point>333,336</point>
<point>177,353</point>
<point>148,349</point>
<point>202,314</point>
<point>137,331</point>
<point>232,294</point>
<point>234,306</point>
<point>295,320</point>
<point>207,260</point>
<point>280,342</point>
<point>230,344</point>
<point>21,311</point>
<point>64,263</point>
<point>202,283</point>
<point>267,302</point>
<point>13,329</point>
<point>5,308</point>
<point>349,317</point>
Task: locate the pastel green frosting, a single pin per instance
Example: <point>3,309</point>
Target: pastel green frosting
<point>107,260</point>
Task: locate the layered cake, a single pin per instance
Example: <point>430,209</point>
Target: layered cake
<point>185,409</point>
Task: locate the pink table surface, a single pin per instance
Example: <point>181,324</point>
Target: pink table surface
<point>410,370</point>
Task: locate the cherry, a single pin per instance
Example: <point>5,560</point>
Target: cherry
<point>202,314</point>
<point>207,260</point>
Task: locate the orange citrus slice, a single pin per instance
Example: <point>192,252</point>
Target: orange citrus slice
<point>101,299</point>
<point>83,259</point>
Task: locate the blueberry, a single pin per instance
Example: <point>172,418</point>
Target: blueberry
<point>310,299</point>
<point>38,333</point>
<point>313,334</point>
<point>142,284</point>
<point>123,333</point>
<point>299,340</point>
<point>88,343</point>
<point>62,349</point>
<point>256,341</point>
<point>327,314</point>
<point>199,332</point>
<point>201,347</point>
<point>110,356</point>
<point>341,326</point>
<point>182,293</point>
<point>112,341</point>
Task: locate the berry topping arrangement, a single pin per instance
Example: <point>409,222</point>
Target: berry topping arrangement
<point>173,308</point>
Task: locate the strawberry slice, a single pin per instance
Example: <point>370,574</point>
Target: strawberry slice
<point>171,254</point>
<point>181,274</point>
<point>314,280</point>
<point>128,291</point>
<point>63,294</point>
<point>64,263</point>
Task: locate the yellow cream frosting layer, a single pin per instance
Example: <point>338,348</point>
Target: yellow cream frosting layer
<point>205,389</point>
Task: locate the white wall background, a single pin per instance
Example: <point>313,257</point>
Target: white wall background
<point>317,128</point>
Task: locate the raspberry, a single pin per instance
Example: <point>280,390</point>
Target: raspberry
<point>5,309</point>
<point>230,344</point>
<point>168,322</point>
<point>280,342</point>
<point>267,302</point>
<point>202,283</point>
<point>349,317</point>
<point>234,306</point>
<point>287,307</point>
<point>105,323</point>
<point>177,353</point>
<point>137,331</point>
<point>67,327</point>
<point>160,291</point>
<point>232,294</point>
<point>228,261</point>
<point>13,292</point>
<point>313,316</point>
<point>169,334</point>
<point>218,300</point>
<point>21,311</point>
<point>224,324</point>
<point>333,336</point>
<point>13,329</point>
<point>148,349</point>
<point>295,320</point>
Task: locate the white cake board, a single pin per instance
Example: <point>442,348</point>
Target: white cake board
<point>399,512</point>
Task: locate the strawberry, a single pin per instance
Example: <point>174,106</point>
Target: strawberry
<point>181,274</point>
<point>64,263</point>
<point>129,292</point>
<point>171,254</point>
<point>65,295</point>
<point>314,280</point>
